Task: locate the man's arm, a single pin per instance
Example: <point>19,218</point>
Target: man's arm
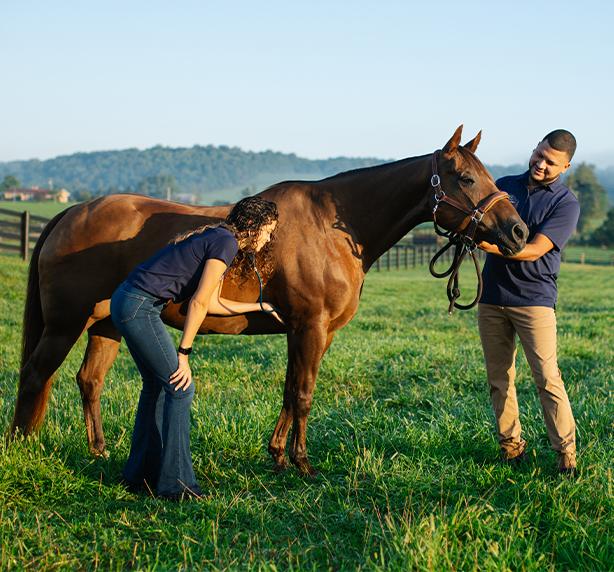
<point>530,253</point>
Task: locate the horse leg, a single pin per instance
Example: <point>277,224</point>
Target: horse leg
<point>305,351</point>
<point>277,444</point>
<point>36,377</point>
<point>102,347</point>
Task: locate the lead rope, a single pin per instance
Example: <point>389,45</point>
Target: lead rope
<point>462,244</point>
<point>252,258</point>
<point>459,242</point>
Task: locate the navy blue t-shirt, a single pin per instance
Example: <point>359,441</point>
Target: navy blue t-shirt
<point>551,210</point>
<point>175,271</point>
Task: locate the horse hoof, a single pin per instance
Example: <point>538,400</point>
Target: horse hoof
<point>280,466</point>
<point>305,468</point>
<point>100,453</point>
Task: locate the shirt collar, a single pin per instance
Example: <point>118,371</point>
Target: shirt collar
<point>554,187</point>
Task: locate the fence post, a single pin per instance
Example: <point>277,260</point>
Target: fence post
<point>406,257</point>
<point>388,260</point>
<point>377,265</point>
<point>398,257</point>
<point>25,235</point>
<point>582,258</point>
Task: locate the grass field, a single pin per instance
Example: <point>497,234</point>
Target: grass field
<point>40,208</point>
<point>401,432</point>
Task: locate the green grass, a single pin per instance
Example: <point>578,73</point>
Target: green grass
<point>401,432</point>
<point>47,209</point>
<point>590,255</point>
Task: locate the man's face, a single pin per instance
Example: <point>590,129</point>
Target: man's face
<point>547,164</point>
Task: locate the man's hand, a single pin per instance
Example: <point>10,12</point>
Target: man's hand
<point>534,249</point>
<point>182,378</point>
<point>489,248</point>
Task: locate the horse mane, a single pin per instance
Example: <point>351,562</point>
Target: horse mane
<point>361,171</point>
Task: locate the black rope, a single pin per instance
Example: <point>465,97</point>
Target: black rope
<point>462,247</point>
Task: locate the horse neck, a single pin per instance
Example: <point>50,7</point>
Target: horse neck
<point>382,204</point>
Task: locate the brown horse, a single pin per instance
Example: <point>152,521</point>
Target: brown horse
<point>330,232</point>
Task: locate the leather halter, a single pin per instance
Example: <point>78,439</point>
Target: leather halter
<point>461,238</point>
<point>471,222</point>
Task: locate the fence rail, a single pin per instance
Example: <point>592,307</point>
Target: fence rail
<point>403,256</point>
<point>19,231</point>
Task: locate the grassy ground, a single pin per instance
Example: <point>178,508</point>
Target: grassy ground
<point>401,432</point>
<point>40,208</point>
<point>590,255</point>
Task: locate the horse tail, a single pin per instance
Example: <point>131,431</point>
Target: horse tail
<point>33,321</point>
<point>32,395</point>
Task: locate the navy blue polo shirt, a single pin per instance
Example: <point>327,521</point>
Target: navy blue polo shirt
<point>551,210</point>
<point>173,273</point>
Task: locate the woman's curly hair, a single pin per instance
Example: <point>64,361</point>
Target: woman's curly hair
<point>245,221</point>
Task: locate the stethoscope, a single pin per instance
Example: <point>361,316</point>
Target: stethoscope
<point>252,258</point>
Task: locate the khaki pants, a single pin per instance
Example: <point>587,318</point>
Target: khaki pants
<point>536,328</point>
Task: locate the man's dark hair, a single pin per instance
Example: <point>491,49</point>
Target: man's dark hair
<point>562,140</point>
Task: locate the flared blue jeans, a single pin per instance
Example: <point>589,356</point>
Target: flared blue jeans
<point>160,450</point>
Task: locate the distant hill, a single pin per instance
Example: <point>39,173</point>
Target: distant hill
<point>209,172</point>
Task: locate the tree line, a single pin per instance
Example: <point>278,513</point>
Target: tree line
<point>200,170</point>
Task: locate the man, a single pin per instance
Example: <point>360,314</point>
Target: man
<point>519,297</point>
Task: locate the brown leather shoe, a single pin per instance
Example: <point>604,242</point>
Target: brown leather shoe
<point>567,464</point>
<point>514,452</point>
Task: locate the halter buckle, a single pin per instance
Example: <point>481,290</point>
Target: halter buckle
<point>435,181</point>
<point>477,216</point>
<point>471,245</point>
<point>439,195</point>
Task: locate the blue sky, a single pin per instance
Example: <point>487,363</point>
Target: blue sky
<point>383,79</point>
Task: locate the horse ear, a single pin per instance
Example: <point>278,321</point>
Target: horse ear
<point>454,141</point>
<point>473,144</point>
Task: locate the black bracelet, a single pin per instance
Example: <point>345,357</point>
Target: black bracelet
<point>184,351</point>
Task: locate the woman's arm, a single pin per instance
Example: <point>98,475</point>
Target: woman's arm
<point>531,252</point>
<point>224,307</point>
<point>197,311</point>
<point>206,300</point>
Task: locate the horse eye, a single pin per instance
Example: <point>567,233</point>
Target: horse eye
<point>466,181</point>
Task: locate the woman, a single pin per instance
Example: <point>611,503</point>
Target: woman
<point>192,266</point>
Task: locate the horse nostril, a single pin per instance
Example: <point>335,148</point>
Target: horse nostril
<point>519,232</point>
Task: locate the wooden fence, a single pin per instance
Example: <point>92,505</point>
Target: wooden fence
<point>403,256</point>
<point>19,231</point>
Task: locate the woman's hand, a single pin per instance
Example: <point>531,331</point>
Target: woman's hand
<point>182,378</point>
<point>273,311</point>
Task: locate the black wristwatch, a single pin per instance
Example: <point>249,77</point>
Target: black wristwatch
<point>184,351</point>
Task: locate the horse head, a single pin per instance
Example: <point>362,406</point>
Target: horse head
<point>466,198</point>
